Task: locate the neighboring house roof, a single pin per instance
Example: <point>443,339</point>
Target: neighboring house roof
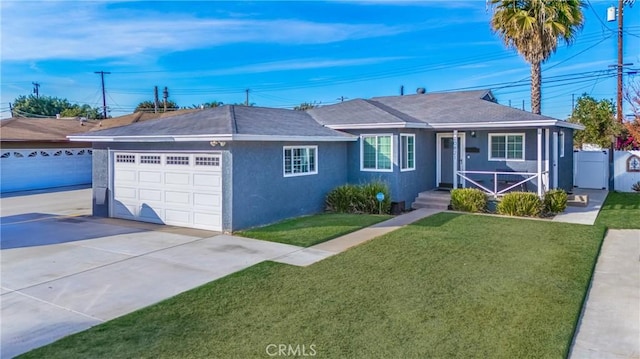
<point>23,129</point>
<point>20,129</point>
<point>446,110</point>
<point>225,123</point>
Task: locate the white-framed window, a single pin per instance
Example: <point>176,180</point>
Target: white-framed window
<point>561,141</point>
<point>506,147</point>
<point>300,160</point>
<point>376,153</point>
<point>407,152</point>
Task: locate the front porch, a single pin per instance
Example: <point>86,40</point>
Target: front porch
<point>497,161</point>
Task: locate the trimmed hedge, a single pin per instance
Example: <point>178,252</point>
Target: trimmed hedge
<point>468,200</point>
<point>361,198</point>
<point>522,204</point>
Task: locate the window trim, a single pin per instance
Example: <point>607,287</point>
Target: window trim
<point>561,135</point>
<point>284,161</point>
<point>376,135</point>
<point>402,152</point>
<point>505,135</point>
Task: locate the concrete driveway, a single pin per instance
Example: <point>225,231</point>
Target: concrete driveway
<point>64,271</point>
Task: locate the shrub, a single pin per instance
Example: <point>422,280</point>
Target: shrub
<point>554,201</point>
<point>523,204</point>
<point>636,186</point>
<point>351,198</point>
<point>468,200</point>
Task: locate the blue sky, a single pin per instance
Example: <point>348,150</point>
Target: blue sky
<point>290,52</point>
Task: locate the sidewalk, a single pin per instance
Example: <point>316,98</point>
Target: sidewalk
<point>308,256</point>
<point>609,327</point>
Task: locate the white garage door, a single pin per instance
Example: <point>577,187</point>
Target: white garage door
<point>182,189</point>
<point>29,169</point>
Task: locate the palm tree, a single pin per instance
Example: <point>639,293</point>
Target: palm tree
<point>533,28</point>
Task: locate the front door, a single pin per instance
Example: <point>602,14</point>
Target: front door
<point>445,152</point>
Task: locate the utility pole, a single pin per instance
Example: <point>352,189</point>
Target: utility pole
<point>573,102</point>
<point>342,98</point>
<point>402,90</point>
<point>104,98</point>
<point>36,89</point>
<point>155,99</point>
<point>165,96</point>
<point>11,109</point>
<point>246,100</point>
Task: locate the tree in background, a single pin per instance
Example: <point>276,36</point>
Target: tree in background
<point>305,106</point>
<point>46,106</point>
<point>631,138</point>
<point>149,106</point>
<point>212,104</point>
<point>598,119</point>
<point>533,28</point>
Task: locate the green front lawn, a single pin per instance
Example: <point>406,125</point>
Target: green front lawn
<point>620,211</point>
<point>310,230</point>
<point>448,286</point>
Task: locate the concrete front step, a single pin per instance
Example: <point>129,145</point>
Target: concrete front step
<point>432,199</point>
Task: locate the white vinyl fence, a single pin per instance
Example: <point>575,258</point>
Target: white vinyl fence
<point>591,169</point>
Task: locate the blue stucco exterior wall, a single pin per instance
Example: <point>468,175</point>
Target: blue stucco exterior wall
<point>403,185</point>
<point>261,193</point>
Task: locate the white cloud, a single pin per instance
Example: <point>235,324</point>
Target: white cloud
<point>87,30</point>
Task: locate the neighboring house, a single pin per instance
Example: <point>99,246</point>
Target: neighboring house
<point>235,167</point>
<point>35,153</point>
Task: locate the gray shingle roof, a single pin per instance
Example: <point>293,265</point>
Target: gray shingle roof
<point>227,120</point>
<point>458,107</point>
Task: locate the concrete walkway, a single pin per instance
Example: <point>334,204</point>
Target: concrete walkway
<point>610,324</point>
<point>584,215</point>
<point>310,255</point>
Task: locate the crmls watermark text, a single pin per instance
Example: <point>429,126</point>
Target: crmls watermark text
<point>291,350</point>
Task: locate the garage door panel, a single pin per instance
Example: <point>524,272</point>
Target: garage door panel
<point>207,200</point>
<point>204,219</point>
<point>150,177</point>
<point>175,197</point>
<point>125,175</point>
<point>175,189</point>
<point>176,178</point>
<point>177,216</point>
<point>126,193</point>
<point>154,195</point>
<point>211,180</point>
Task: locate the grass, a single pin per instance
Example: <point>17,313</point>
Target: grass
<point>311,230</point>
<point>620,211</point>
<point>450,285</point>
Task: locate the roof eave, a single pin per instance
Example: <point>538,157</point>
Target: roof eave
<point>375,126</point>
<point>506,124</point>
<point>208,138</point>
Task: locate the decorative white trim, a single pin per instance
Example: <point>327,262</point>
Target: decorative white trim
<point>315,161</point>
<point>362,136</point>
<point>499,134</point>
<point>561,143</point>
<point>462,152</point>
<point>554,165</point>
<point>402,154</point>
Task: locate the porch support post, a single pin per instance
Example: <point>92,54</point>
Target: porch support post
<point>539,160</point>
<point>546,158</point>
<point>455,159</point>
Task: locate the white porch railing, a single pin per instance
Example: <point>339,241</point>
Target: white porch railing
<point>495,192</point>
